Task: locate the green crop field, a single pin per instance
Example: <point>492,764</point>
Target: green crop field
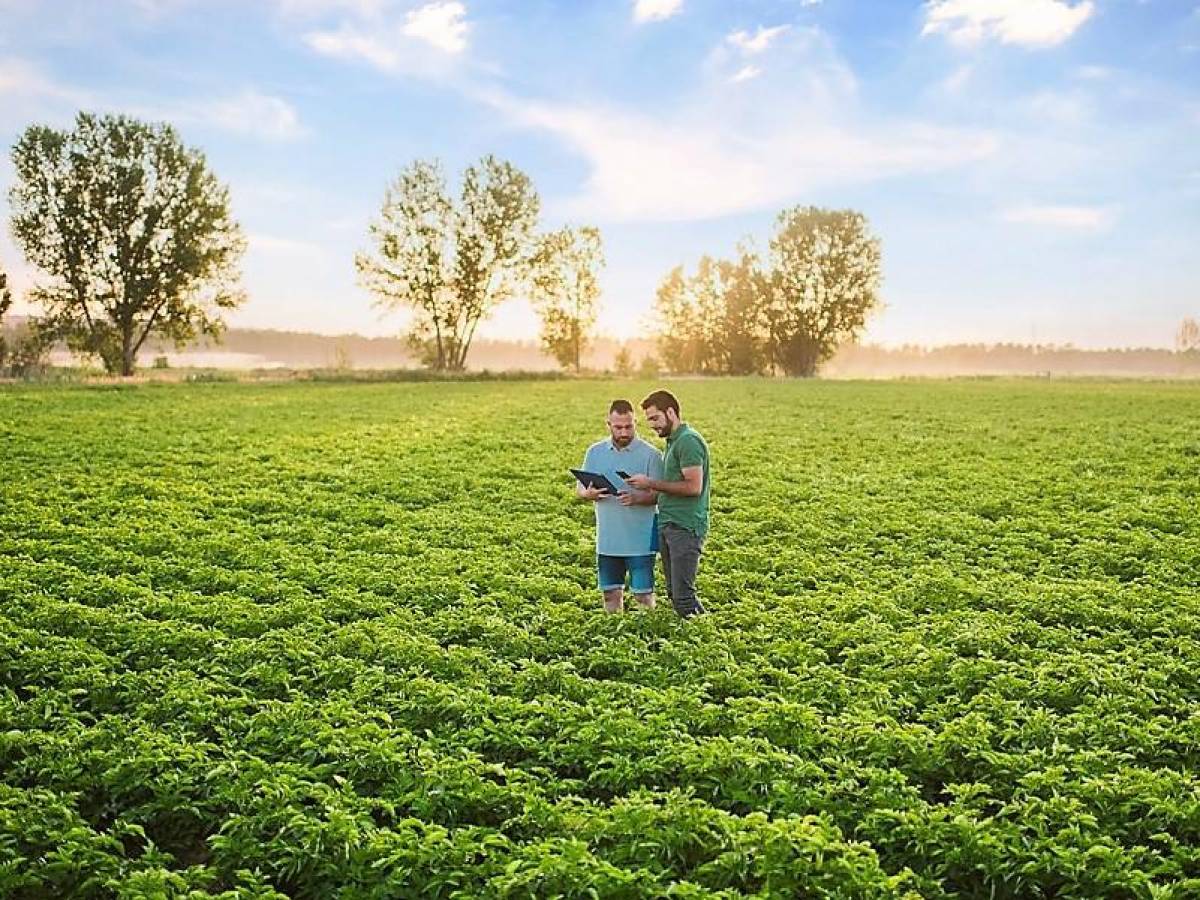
<point>342,640</point>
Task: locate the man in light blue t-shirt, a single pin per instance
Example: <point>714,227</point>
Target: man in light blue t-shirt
<point>626,535</point>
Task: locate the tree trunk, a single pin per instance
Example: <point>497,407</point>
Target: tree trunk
<point>801,353</point>
<point>128,353</point>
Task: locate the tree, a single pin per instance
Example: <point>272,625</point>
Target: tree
<point>5,305</point>
<point>1187,339</point>
<point>711,320</point>
<point>623,363</point>
<point>566,287</point>
<point>450,262</point>
<point>738,341</point>
<point>824,281</point>
<point>682,341</point>
<point>134,231</point>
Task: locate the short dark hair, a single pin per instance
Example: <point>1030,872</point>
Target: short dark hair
<point>661,400</point>
<point>620,407</point>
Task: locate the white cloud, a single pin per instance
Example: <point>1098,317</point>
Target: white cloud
<point>424,42</point>
<point>805,56</point>
<point>1027,23</point>
<point>26,81</point>
<point>711,161</point>
<point>441,25</point>
<point>31,93</point>
<point>956,82</point>
<point>760,144</point>
<point>1078,218</point>
<point>353,43</point>
<point>745,73</point>
<point>772,138</point>
<point>655,10</point>
<point>757,42</point>
<point>252,113</point>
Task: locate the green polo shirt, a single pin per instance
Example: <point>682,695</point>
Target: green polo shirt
<point>685,448</point>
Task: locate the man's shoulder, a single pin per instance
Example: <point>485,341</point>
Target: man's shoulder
<point>600,446</point>
<point>645,446</point>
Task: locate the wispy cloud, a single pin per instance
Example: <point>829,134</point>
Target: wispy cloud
<point>655,10</point>
<point>769,138</point>
<point>693,166</point>
<point>251,113</point>
<point>1075,218</point>
<point>24,80</point>
<point>956,81</point>
<point>424,41</point>
<point>757,42</point>
<point>804,56</point>
<point>1026,23</point>
<point>745,73</point>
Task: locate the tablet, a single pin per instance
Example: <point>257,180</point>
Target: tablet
<point>594,479</point>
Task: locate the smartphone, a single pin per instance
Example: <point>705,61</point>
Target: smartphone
<point>624,475</point>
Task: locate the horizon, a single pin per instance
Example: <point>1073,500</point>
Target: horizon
<point>1029,165</point>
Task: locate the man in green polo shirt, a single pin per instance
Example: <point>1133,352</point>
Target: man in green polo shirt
<point>682,500</point>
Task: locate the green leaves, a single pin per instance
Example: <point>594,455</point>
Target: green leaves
<point>133,231</point>
<point>343,640</point>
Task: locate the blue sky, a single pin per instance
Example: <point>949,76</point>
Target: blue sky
<point>1032,166</point>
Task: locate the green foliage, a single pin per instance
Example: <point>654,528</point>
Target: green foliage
<point>133,230</point>
<point>564,276</point>
<point>713,322</point>
<point>825,274</point>
<point>451,262</point>
<point>741,316</point>
<point>342,640</point>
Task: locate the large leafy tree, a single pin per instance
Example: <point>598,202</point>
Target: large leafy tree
<point>566,290</point>
<point>824,282</point>
<point>133,230</point>
<point>711,321</point>
<point>739,316</point>
<point>451,261</point>
<point>683,304</point>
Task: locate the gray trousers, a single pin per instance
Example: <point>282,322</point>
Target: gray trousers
<point>680,552</point>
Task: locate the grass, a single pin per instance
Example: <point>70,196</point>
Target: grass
<point>323,639</point>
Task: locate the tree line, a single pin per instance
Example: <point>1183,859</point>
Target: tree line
<point>134,237</point>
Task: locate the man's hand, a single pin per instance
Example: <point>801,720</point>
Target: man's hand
<point>637,498</point>
<point>594,493</point>
<point>641,482</point>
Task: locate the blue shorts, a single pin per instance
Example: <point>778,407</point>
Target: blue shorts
<point>610,572</point>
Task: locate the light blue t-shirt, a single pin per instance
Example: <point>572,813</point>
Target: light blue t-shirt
<point>623,530</point>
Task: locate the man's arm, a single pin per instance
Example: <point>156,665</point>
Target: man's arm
<point>654,468</point>
<point>638,498</point>
<point>692,484</point>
